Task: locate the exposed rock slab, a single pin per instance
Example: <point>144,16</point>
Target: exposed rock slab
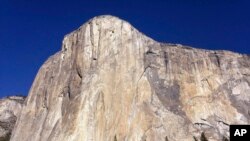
<point>10,109</point>
<point>111,81</point>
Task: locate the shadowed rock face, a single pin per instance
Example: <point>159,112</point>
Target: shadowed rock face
<point>110,81</point>
<point>10,109</point>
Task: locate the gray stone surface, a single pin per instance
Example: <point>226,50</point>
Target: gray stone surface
<point>10,109</point>
<point>111,81</point>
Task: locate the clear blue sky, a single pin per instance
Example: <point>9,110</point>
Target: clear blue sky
<point>32,30</point>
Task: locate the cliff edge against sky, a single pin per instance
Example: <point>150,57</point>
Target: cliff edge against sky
<point>110,81</point>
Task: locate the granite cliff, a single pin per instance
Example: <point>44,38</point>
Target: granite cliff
<point>10,108</point>
<point>110,82</point>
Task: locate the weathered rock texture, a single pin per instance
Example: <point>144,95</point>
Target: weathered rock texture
<point>110,82</point>
<point>10,109</point>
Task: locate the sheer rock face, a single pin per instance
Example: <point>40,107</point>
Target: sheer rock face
<point>111,81</point>
<point>10,109</point>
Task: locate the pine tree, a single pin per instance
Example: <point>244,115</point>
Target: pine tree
<point>166,138</point>
<point>195,139</point>
<point>224,139</point>
<point>203,137</point>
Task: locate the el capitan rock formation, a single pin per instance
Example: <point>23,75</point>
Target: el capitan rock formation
<point>110,81</point>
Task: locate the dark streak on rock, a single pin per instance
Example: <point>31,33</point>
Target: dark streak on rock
<point>168,94</point>
<point>166,59</point>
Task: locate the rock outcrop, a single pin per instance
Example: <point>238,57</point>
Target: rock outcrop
<point>10,109</point>
<point>110,82</point>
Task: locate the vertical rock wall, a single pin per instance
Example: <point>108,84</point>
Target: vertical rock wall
<point>111,81</point>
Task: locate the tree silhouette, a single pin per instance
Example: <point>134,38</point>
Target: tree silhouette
<point>203,137</point>
<point>224,139</point>
<point>195,139</point>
